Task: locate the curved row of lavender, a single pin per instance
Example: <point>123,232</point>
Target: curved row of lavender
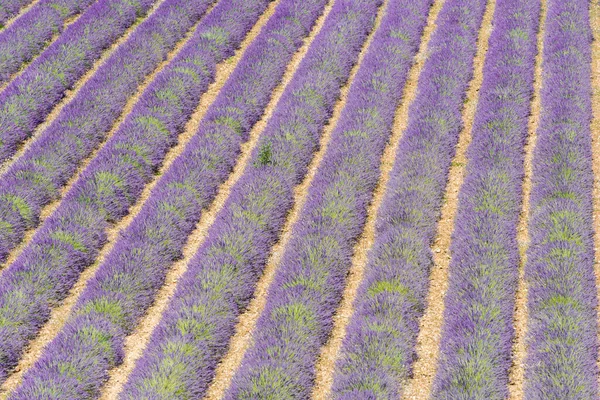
<point>308,285</point>
<point>194,333</point>
<point>562,333</point>
<point>36,178</point>
<point>29,98</point>
<point>476,343</point>
<point>125,284</point>
<point>379,348</point>
<point>10,8</point>
<point>31,33</point>
<point>70,239</point>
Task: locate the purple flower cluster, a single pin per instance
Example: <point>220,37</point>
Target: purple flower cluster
<point>308,286</point>
<point>378,351</point>
<point>30,34</point>
<point>70,239</point>
<point>126,282</point>
<point>10,8</point>
<point>28,99</point>
<point>562,339</point>
<point>37,177</point>
<point>135,269</point>
<point>475,350</point>
<point>195,330</point>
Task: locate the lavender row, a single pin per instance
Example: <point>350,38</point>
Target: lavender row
<point>476,344</point>
<point>29,98</point>
<point>378,350</point>
<point>127,281</point>
<point>562,339</point>
<point>310,280</point>
<point>30,34</point>
<point>56,251</point>
<point>10,8</point>
<point>221,278</point>
<point>37,177</point>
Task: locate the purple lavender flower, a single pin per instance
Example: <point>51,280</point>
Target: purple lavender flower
<point>476,344</point>
<point>221,278</point>
<point>562,327</point>
<point>379,348</point>
<point>30,34</point>
<point>27,100</point>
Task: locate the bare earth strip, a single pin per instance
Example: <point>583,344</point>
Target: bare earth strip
<point>69,21</point>
<point>48,209</point>
<point>60,314</point>
<point>138,340</point>
<point>242,338</point>
<point>21,12</point>
<point>37,346</point>
<point>595,24</point>
<point>70,94</point>
<point>329,353</point>
<point>419,386</point>
<point>517,371</point>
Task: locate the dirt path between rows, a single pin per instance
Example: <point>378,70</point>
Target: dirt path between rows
<point>325,368</point>
<point>424,369</point>
<point>517,371</point>
<point>595,23</point>
<point>60,315</point>
<point>242,339</point>
<point>71,93</point>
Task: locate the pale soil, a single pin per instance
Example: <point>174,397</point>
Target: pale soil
<point>242,339</point>
<point>21,12</point>
<point>424,369</point>
<point>325,368</point>
<point>70,94</point>
<point>136,343</point>
<point>49,209</point>
<point>595,23</point>
<point>516,373</point>
<point>69,21</point>
<point>239,343</point>
<point>60,315</point>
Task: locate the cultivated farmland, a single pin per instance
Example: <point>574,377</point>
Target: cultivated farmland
<point>299,199</point>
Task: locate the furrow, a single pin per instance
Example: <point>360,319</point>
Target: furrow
<point>241,340</point>
<point>12,10</point>
<point>26,102</point>
<point>36,30</point>
<point>59,180</point>
<point>264,192</point>
<point>419,384</point>
<point>71,238</point>
<point>36,179</point>
<point>519,352</point>
<point>235,94</point>
<point>59,315</point>
<point>595,129</point>
<point>477,332</point>
<point>562,326</point>
<point>325,369</point>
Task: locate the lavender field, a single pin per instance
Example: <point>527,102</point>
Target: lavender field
<point>299,199</point>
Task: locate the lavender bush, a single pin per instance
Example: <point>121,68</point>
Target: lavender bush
<point>310,280</point>
<point>28,99</point>
<point>378,351</point>
<point>10,8</point>
<point>135,269</point>
<point>194,333</point>
<point>70,239</point>
<point>37,177</point>
<point>30,34</point>
<point>562,329</point>
<point>475,350</point>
